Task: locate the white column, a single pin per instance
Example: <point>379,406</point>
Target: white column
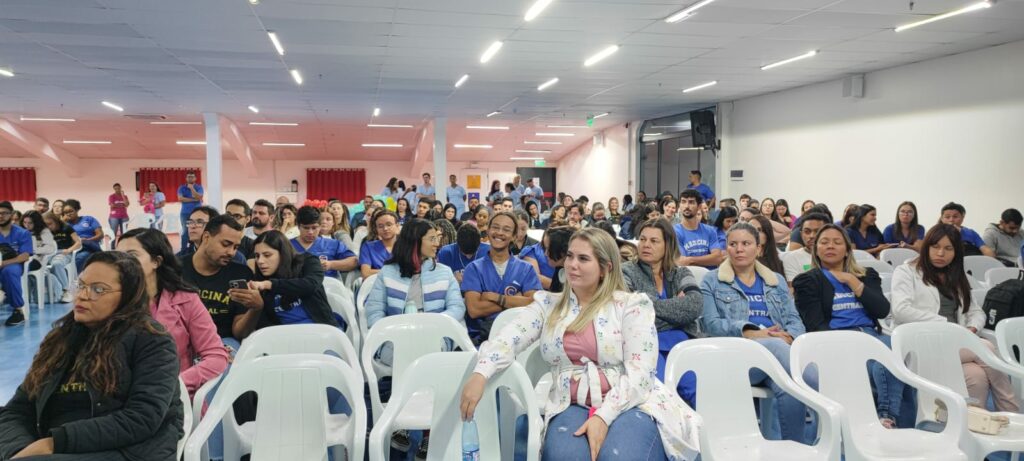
<point>441,158</point>
<point>214,159</point>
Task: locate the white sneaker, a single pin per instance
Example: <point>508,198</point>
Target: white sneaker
<point>66,297</point>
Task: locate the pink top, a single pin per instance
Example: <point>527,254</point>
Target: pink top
<point>120,212</point>
<point>579,345</point>
<point>195,335</point>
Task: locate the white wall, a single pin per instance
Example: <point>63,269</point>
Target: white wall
<point>599,172</point>
<point>931,132</point>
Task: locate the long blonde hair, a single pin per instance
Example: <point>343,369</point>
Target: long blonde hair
<point>607,254</point>
<point>849,261</point>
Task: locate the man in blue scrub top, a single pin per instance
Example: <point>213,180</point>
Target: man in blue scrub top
<point>190,195</point>
<point>19,242</point>
<point>705,192</point>
<point>466,249</point>
<point>517,191</point>
<point>533,193</point>
<point>953,214</point>
<point>498,281</point>
<point>698,243</point>
<point>334,256</point>
<point>425,191</point>
<point>456,195</point>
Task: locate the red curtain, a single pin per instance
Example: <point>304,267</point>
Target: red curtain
<point>347,185</point>
<point>18,184</point>
<point>167,179</point>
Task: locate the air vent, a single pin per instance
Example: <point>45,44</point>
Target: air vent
<point>148,117</point>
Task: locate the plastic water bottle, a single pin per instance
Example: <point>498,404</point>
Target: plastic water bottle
<point>470,442</point>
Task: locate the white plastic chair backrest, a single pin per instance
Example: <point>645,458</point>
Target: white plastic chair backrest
<point>861,255</point>
<point>186,408</point>
<point>172,223</point>
<point>291,408</point>
<point>361,295</point>
<point>333,285</point>
<point>357,239</point>
<point>503,319</point>
<point>1010,339</point>
<point>977,265</point>
<point>443,374</point>
<point>536,234</point>
<point>886,281</point>
<point>975,283</point>
<point>896,256</point>
<point>722,366</point>
<point>347,310</point>
<point>411,336</point>
<point>297,339</point>
<point>698,273</point>
<point>997,275</point>
<point>978,295</point>
<point>841,359</point>
<point>879,266</point>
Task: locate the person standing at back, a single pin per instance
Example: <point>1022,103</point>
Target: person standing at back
<point>190,195</point>
<point>118,218</point>
<point>456,195</point>
<point>706,193</point>
<point>425,192</point>
<point>1005,237</point>
<point>698,243</point>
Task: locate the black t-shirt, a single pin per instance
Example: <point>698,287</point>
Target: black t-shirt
<point>213,290</point>
<point>63,237</point>
<point>70,402</point>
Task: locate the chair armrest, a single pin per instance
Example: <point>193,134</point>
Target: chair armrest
<point>199,399</point>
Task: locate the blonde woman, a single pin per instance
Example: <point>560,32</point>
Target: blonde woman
<point>599,340</point>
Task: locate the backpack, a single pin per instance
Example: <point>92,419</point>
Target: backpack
<point>1004,301</point>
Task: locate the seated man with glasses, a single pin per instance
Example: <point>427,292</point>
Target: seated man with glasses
<point>239,209</point>
<point>195,225</point>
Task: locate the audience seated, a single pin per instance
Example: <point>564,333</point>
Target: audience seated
<point>87,228</point>
<point>261,219</point>
<point>1005,237</point>
<point>15,248</point>
<point>333,256</point>
<point>595,314</point>
<point>864,234</point>
<point>467,248</point>
<point>743,298</point>
<point>284,220</point>
<point>104,384</point>
<point>905,232</point>
<point>522,239</point>
<point>43,244</point>
<point>376,249</point>
<point>239,209</point>
<point>796,237</point>
<point>403,211</point>
<point>934,288</point>
<point>784,214</point>
<point>176,305</point>
<point>953,214</point>
<point>768,253</point>
<point>698,242</point>
<point>537,256</point>
<point>800,260</point>
<point>68,242</point>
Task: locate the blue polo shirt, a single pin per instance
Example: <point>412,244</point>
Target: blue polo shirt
<point>332,249</point>
<point>873,239</point>
<point>892,235</point>
<point>19,239</point>
<point>187,207</point>
<point>847,311</point>
<point>698,242</point>
<point>374,253</point>
<point>450,256</point>
<point>86,228</point>
<point>755,298</point>
<point>704,190</point>
<point>972,237</point>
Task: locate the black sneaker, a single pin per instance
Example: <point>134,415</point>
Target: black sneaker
<point>16,318</point>
<point>421,453</point>
<point>400,441</point>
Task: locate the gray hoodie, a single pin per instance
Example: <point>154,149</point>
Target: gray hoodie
<point>1007,247</point>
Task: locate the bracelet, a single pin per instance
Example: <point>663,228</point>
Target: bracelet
<point>501,301</point>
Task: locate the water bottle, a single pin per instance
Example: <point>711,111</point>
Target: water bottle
<point>470,441</point>
<point>411,307</point>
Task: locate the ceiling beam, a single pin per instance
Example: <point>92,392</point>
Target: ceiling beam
<point>233,137</point>
<point>37,146</point>
<point>424,150</point>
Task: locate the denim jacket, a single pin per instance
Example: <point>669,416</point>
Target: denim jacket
<point>726,310</point>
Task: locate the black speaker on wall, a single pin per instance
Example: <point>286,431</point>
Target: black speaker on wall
<point>702,128</point>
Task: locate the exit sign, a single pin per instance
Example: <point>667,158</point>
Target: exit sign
<point>539,163</point>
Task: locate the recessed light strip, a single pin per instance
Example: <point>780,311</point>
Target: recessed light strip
<point>284,144</point>
<point>547,84</point>
<point>273,124</point>
<point>486,127</point>
<point>568,126</point>
<point>276,42</point>
<point>793,59</point>
<point>966,9</point>
<point>701,86</point>
<point>190,143</point>
<point>473,146</point>
<point>604,114</point>
<point>382,145</point>
<point>549,143</point>
<point>254,109</point>
<point>687,12</point>
<point>526,158</point>
<point>492,114</point>
<point>175,123</point>
<point>46,119</point>
<point>536,9</point>
<point>380,125</point>
<point>490,52</point>
<point>461,80</point>
<point>532,151</point>
<point>601,55</point>
<point>6,72</point>
<point>296,76</point>
<point>113,106</point>
<point>556,134</point>
<point>67,141</point>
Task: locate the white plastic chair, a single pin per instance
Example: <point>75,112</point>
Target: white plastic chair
<point>292,419</point>
<point>347,310</point>
<point>439,377</point>
<point>504,318</point>
<point>536,234</point>
<point>698,272</point>
<point>361,295</point>
<point>997,275</point>
<point>934,348</point>
<point>979,294</point>
<point>187,419</point>
<point>977,266</point>
<point>886,281</point>
<point>841,359</point>
<point>1010,342</point>
<point>141,221</point>
<point>861,255</point>
<point>357,239</point>
<point>411,336</point>
<point>730,430</point>
<point>896,256</point>
<point>879,266</point>
<point>41,276</point>
<point>26,310</point>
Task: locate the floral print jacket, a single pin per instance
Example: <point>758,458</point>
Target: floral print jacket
<point>627,344</point>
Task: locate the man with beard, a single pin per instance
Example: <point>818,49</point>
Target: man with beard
<point>16,245</point>
<point>698,242</point>
<point>239,209</point>
<point>223,283</point>
<point>261,217</point>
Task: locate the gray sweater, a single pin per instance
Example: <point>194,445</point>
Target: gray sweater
<point>673,313</point>
<point>1007,247</point>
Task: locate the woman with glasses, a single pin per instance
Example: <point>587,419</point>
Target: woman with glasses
<point>905,231</point>
<point>104,384</point>
<point>374,253</point>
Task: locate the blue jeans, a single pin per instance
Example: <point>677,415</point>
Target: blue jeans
<point>889,389</point>
<point>791,411</point>
<point>117,226</point>
<point>10,281</point>
<point>57,268</point>
<point>82,256</point>
<point>632,436</point>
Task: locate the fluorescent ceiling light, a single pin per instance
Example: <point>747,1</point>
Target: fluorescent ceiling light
<point>490,52</point>
<point>190,143</point>
<point>653,134</point>
<point>276,42</point>
<point>284,144</point>
<point>547,84</point>
<point>254,109</point>
<point>175,123</point>
<point>568,126</point>
<point>376,111</point>
<point>787,61</point>
<point>382,145</point>
<point>492,114</point>
<point>601,55</point>
<point>296,76</point>
<point>535,10</point>
<point>66,141</point>
<point>526,158</point>
<point>689,148</point>
<point>532,151</point>
<point>687,12</point>
<point>113,106</point>
<point>6,73</point>
<point>486,127</point>
<point>46,119</point>
<point>605,114</point>
<point>555,134</point>
<point>701,86</point>
<point>273,124</point>
<point>461,80</point>
<point>966,9</point>
<point>550,143</point>
<point>379,125</point>
<point>473,146</point>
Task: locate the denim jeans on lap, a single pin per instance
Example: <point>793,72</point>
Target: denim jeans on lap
<point>632,436</point>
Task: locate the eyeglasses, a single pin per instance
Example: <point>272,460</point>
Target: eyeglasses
<point>5,213</point>
<point>238,217</point>
<point>907,212</point>
<point>96,290</point>
<point>194,223</point>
